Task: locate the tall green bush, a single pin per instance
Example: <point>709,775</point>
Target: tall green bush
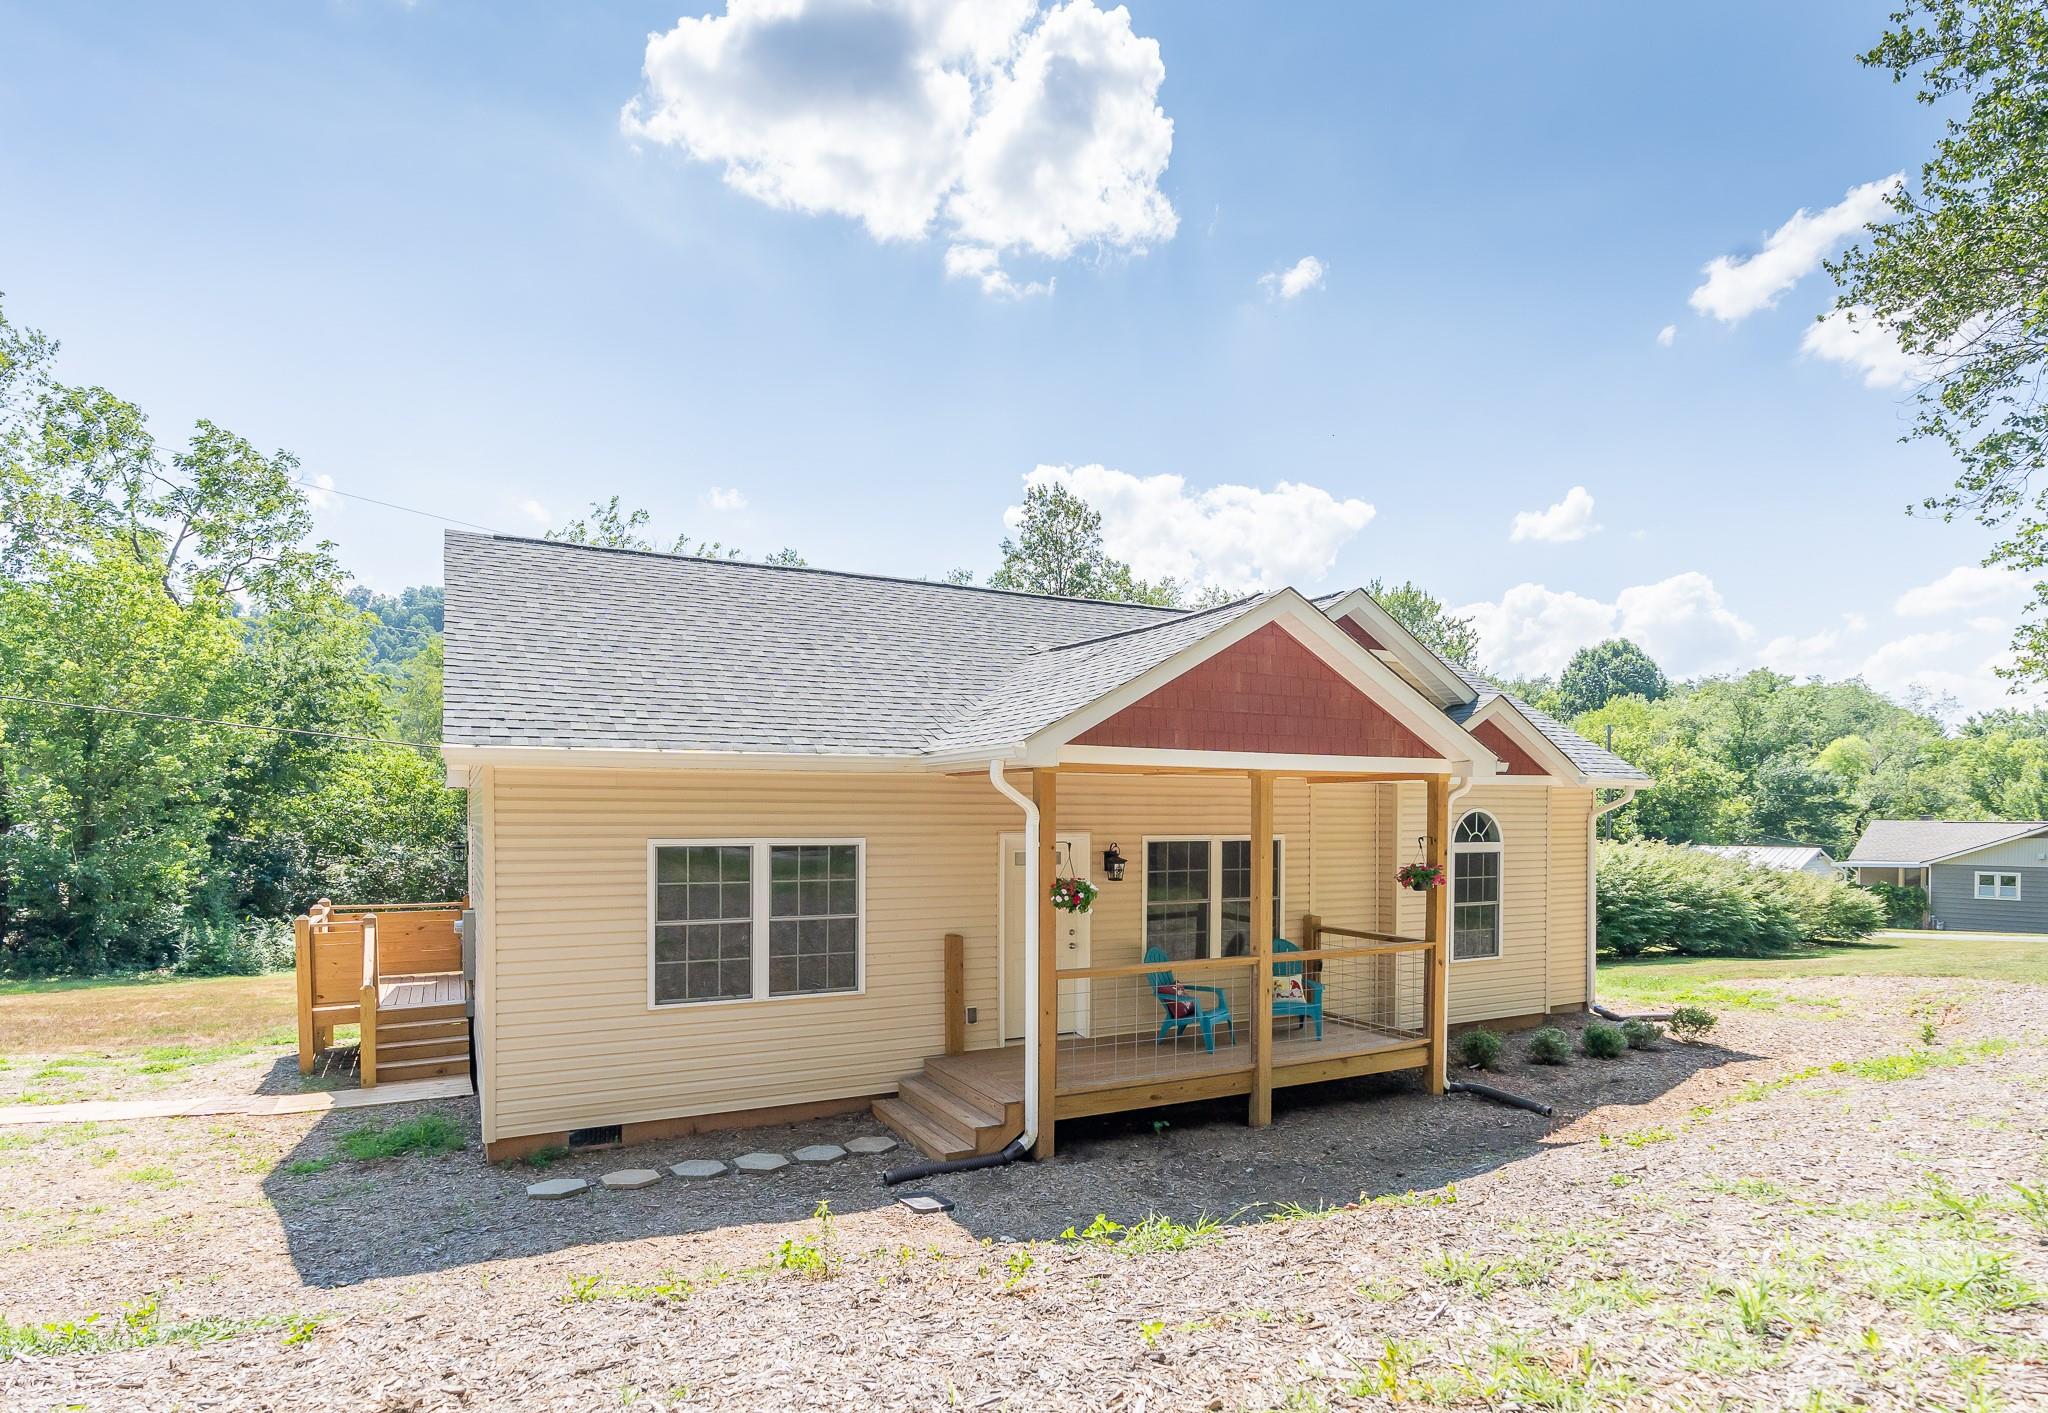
<point>1664,896</point>
<point>1904,906</point>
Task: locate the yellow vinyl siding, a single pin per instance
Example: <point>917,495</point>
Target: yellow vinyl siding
<point>1511,984</point>
<point>567,1038</point>
<point>1571,815</point>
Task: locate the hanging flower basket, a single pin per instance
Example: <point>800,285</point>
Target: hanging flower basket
<point>1073,895</point>
<point>1420,876</point>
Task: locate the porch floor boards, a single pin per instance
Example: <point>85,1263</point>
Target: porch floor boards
<point>420,991</point>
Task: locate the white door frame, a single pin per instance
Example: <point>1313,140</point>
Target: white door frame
<point>1075,840</point>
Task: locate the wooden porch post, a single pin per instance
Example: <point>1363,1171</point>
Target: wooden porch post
<point>1045,792</point>
<point>302,956</point>
<point>1437,932</point>
<point>956,994</point>
<point>1262,948</point>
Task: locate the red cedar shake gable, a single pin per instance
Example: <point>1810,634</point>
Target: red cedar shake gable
<point>1266,693</point>
<point>1361,634</point>
<point>1519,761</point>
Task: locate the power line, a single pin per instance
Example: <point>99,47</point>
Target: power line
<point>392,505</point>
<point>217,721</point>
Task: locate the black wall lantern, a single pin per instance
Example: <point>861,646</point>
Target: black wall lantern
<point>1113,865</point>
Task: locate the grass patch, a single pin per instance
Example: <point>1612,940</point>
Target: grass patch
<point>128,1015</point>
<point>1154,1234</point>
<point>1914,1063</point>
<point>1480,1275</point>
<point>426,1134</point>
<point>307,1167</point>
<point>1933,954</point>
<point>138,1325</point>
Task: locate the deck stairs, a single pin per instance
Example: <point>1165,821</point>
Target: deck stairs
<point>953,1108</point>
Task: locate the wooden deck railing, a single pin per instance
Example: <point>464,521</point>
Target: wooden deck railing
<point>343,957</point>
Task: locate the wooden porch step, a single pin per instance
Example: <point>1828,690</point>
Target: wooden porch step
<point>391,1071</point>
<point>960,1117</point>
<point>974,1079</point>
<point>392,1048</point>
<point>405,1015</point>
<point>401,1024</point>
<point>915,1127</point>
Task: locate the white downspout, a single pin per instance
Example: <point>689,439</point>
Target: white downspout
<point>1032,893</point>
<point>1628,792</point>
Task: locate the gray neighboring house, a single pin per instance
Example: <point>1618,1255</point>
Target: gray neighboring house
<point>1788,858</point>
<point>1980,875</point>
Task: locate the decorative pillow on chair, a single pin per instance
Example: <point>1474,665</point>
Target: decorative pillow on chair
<point>1288,988</point>
<point>1179,1004</point>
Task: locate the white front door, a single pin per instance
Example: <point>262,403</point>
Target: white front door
<point>1071,936</point>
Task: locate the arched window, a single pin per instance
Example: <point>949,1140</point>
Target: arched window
<point>1475,888</point>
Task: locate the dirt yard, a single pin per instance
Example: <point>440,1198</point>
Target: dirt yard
<point>1841,1201</point>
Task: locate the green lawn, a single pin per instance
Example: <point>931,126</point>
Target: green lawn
<point>1935,954</point>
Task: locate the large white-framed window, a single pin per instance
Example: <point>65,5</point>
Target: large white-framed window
<point>1476,888</point>
<point>754,919</point>
<point>1198,895</point>
<point>1998,885</point>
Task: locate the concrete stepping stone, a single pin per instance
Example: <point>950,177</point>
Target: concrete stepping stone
<point>869,1145</point>
<point>760,1162</point>
<point>630,1179</point>
<point>698,1169</point>
<point>926,1204</point>
<point>819,1154</point>
<point>556,1188</point>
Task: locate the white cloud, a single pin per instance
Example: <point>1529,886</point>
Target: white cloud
<point>1297,279</point>
<point>1737,287</point>
<point>320,492</point>
<point>1239,538</point>
<point>725,498</point>
<point>1570,519</point>
<point>536,512</point>
<point>978,262</point>
<point>1799,656</point>
<point>1667,336</point>
<point>1856,337</point>
<point>1681,621</point>
<point>1011,130</point>
<point>1966,587</point>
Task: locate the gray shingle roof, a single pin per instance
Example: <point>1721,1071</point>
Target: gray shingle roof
<point>568,645</point>
<point>565,645</point>
<point>1913,842</point>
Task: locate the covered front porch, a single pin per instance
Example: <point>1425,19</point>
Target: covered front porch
<point>1148,1027</point>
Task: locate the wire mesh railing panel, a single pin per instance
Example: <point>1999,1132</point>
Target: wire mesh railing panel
<point>1351,1000</point>
<point>1182,1020</point>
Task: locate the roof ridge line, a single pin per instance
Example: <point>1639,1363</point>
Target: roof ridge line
<point>813,569</point>
<point>1186,616</point>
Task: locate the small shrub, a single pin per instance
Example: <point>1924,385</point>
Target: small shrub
<point>1641,1034</point>
<point>1550,1046</point>
<point>1692,1022</point>
<point>1479,1049</point>
<point>1603,1041</point>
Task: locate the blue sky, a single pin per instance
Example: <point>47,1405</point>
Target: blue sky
<point>797,298</point>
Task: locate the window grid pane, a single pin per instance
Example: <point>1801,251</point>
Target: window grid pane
<point>1475,903</point>
<point>703,932</point>
<point>1237,896</point>
<point>1177,897</point>
<point>813,919</point>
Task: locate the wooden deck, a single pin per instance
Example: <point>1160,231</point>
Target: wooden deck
<point>1106,1075</point>
<point>422,991</point>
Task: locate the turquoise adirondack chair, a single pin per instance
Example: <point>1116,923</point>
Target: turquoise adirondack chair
<point>1208,1016</point>
<point>1310,1007</point>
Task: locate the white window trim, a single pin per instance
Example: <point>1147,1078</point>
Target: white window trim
<point>1500,904</point>
<point>1215,843</point>
<point>1994,896</point>
<point>758,920</point>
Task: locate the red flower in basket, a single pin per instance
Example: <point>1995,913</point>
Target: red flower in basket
<point>1420,876</point>
<point>1073,895</point>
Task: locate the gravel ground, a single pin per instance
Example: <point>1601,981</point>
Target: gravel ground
<point>1720,1225</point>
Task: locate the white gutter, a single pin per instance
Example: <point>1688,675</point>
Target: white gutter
<point>1032,894</point>
<point>1628,792</point>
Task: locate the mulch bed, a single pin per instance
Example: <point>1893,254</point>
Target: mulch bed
<point>433,1282</point>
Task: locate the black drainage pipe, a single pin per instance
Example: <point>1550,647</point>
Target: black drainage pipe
<point>1605,1014</point>
<point>1500,1096</point>
<point>911,1172</point>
